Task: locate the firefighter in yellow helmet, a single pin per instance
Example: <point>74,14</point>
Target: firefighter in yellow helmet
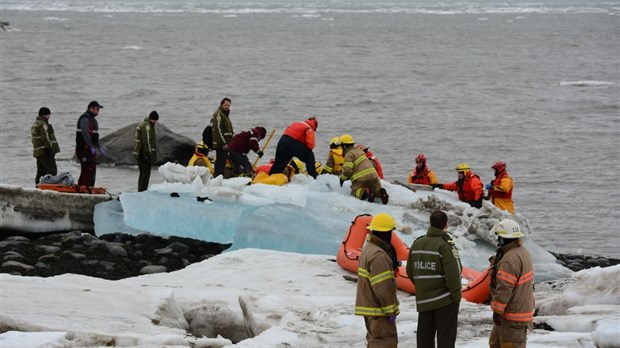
<point>365,183</point>
<point>376,298</point>
<point>468,186</point>
<point>200,157</point>
<point>512,287</point>
<point>335,159</point>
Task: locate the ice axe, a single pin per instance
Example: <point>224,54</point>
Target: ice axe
<point>264,147</point>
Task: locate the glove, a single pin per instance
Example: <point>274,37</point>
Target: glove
<point>341,182</point>
<point>135,155</point>
<point>497,319</point>
<point>101,152</point>
<point>488,186</point>
<point>260,154</point>
<point>392,318</point>
<point>93,151</point>
<point>434,186</point>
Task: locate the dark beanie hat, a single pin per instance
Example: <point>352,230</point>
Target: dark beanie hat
<point>153,115</point>
<point>44,111</point>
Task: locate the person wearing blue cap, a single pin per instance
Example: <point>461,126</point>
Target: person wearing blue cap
<point>87,143</point>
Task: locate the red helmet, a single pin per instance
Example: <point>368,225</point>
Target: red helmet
<point>499,166</point>
<point>420,158</point>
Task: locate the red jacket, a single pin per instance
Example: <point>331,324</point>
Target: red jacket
<point>375,163</point>
<point>470,189</point>
<point>244,142</point>
<point>303,132</point>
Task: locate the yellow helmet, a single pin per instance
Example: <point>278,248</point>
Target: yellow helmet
<point>346,139</point>
<point>318,167</point>
<point>462,168</point>
<point>382,222</point>
<point>507,229</point>
<point>334,142</point>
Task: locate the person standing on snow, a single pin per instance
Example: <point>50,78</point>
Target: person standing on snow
<point>434,267</point>
<point>239,147</point>
<point>500,189</point>
<point>44,144</point>
<point>298,141</point>
<point>376,298</point>
<point>365,183</point>
<point>512,288</point>
<point>468,186</point>
<point>87,144</point>
<point>422,174</point>
<point>145,149</point>
<point>334,162</point>
<point>222,134</point>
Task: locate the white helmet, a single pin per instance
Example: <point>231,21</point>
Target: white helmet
<point>507,229</point>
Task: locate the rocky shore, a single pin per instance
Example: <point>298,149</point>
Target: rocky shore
<point>117,256</point>
<point>112,256</point>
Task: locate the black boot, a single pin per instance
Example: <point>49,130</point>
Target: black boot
<point>384,196</point>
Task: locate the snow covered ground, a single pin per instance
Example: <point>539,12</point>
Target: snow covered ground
<point>263,298</point>
<point>280,286</point>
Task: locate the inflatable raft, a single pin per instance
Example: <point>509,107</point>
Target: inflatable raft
<point>476,285</point>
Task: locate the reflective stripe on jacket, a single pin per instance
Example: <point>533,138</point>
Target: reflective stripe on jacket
<point>222,128</point>
<point>434,267</point>
<point>302,132</point>
<point>376,286</point>
<point>357,166</point>
<point>512,284</point>
<point>425,176</point>
<point>145,143</point>
<point>334,162</point>
<point>470,189</point>
<point>501,193</point>
<point>43,138</point>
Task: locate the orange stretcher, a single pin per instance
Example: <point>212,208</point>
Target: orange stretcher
<point>73,188</point>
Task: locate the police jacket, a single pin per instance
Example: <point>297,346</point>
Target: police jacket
<point>376,286</point>
<point>43,138</point>
<point>512,283</point>
<point>357,166</point>
<point>222,128</point>
<point>145,144</point>
<point>434,267</point>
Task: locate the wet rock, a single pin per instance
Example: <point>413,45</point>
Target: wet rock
<point>113,256</point>
<point>579,262</point>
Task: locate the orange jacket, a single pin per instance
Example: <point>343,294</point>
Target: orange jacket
<point>302,132</point>
<point>470,189</point>
<point>424,177</point>
<point>375,163</point>
<point>501,193</point>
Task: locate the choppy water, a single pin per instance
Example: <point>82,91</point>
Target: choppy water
<point>533,84</point>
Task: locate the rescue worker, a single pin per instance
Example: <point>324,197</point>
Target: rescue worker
<point>334,162</point>
<point>376,298</point>
<point>222,134</point>
<point>298,141</point>
<point>200,157</point>
<point>512,288</point>
<point>434,267</point>
<point>44,144</point>
<point>365,183</point>
<point>422,174</point>
<point>468,186</point>
<point>239,147</point>
<point>500,189</point>
<point>145,149</point>
<point>373,160</point>
<point>87,144</point>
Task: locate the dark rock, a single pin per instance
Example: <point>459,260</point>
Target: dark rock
<point>171,147</point>
<point>579,262</point>
<point>113,256</point>
<point>543,326</point>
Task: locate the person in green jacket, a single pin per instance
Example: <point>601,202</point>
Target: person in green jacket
<point>222,135</point>
<point>145,149</point>
<point>434,267</point>
<point>44,144</point>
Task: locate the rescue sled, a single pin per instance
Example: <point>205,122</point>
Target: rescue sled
<point>476,286</point>
<point>73,188</point>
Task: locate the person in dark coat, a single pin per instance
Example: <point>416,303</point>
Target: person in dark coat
<point>44,144</point>
<point>239,147</point>
<point>87,143</point>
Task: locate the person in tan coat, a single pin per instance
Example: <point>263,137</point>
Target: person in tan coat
<point>365,183</point>
<point>376,299</point>
<point>512,288</point>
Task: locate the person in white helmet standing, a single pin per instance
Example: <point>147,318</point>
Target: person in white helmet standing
<point>512,288</point>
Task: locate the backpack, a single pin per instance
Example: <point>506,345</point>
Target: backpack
<point>207,136</point>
